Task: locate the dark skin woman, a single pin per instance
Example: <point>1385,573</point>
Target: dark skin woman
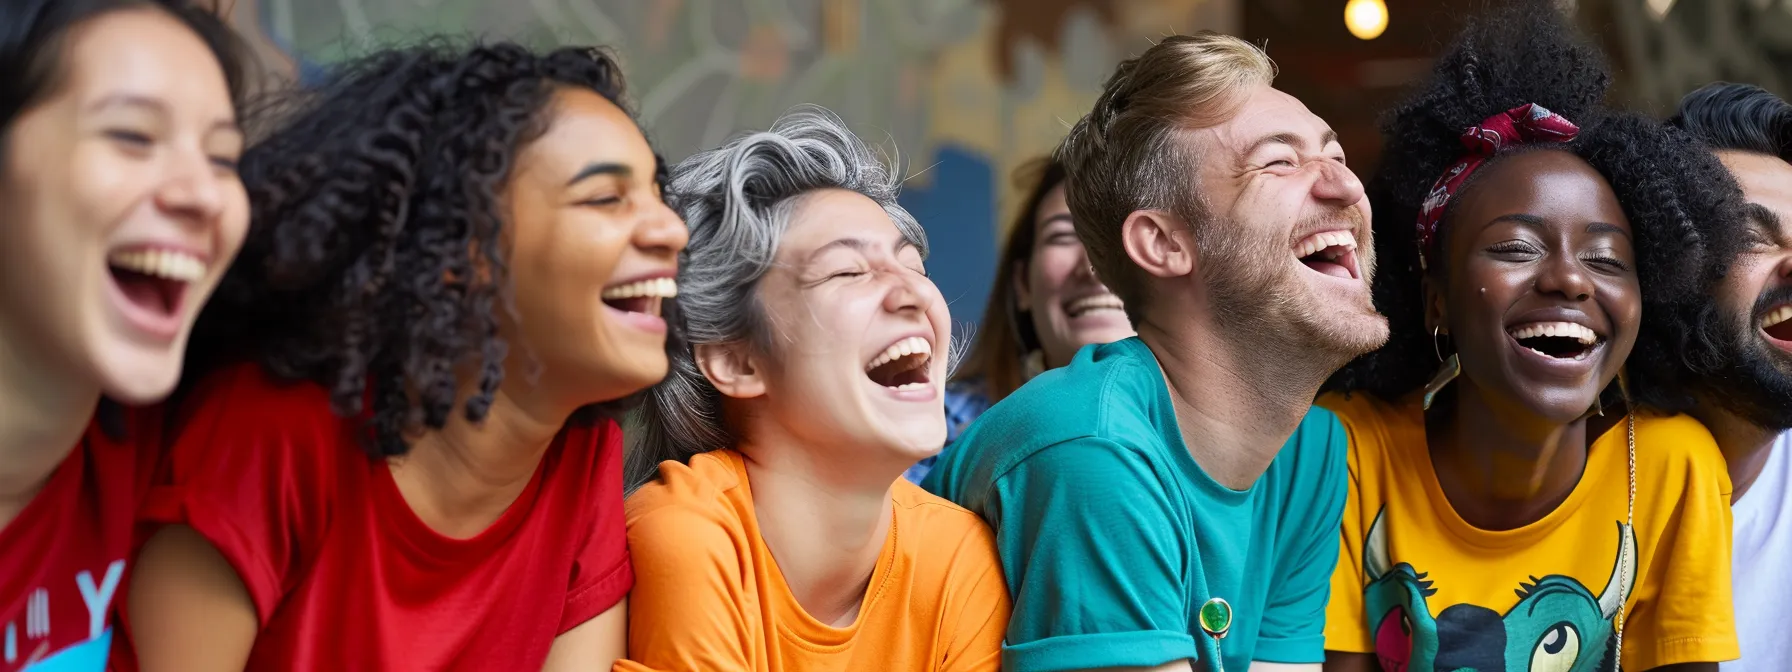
<point>401,452</point>
<point>1513,507</point>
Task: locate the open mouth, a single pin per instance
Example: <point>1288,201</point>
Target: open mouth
<point>1094,304</point>
<point>1557,340</point>
<point>640,296</point>
<point>1332,253</point>
<point>903,365</point>
<point>1777,323</point>
<point>154,279</point>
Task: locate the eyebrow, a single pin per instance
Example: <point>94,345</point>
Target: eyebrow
<point>1764,217</point>
<point>596,169</point>
<point>1291,139</point>
<point>156,106</point>
<point>1535,221</point>
<point>1060,217</point>
<point>858,245</point>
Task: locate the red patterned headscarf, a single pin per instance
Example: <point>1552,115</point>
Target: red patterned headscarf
<point>1526,124</point>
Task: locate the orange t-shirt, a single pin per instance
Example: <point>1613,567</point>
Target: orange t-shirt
<point>709,597</point>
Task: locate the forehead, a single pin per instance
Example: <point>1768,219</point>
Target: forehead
<point>823,216</point>
<point>1268,112</point>
<point>144,52</point>
<point>1550,183</point>
<point>586,128</point>
<point>1766,180</point>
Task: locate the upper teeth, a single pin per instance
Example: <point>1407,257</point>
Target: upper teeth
<point>1320,241</point>
<point>913,345</point>
<point>163,263</point>
<point>664,288</point>
<point>1099,301</point>
<point>1777,315</point>
<point>1558,329</point>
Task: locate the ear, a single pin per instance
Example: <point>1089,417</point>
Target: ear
<point>1159,243</point>
<point>1436,315</point>
<point>730,367</point>
<point>1023,294</point>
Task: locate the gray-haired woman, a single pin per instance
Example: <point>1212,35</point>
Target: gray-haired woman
<point>777,532</point>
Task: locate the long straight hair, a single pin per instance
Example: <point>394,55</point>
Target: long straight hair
<point>1007,333</point>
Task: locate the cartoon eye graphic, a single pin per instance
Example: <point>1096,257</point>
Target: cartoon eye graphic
<point>1557,649</point>
<point>1393,640</point>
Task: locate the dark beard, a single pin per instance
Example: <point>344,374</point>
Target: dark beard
<point>1753,383</point>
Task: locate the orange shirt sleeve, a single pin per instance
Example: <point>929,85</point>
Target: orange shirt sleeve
<point>981,610</point>
<point>685,612</point>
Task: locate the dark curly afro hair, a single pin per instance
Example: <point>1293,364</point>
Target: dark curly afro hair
<point>1676,195</point>
<point>373,264</point>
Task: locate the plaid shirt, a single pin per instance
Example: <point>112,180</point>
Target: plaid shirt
<point>964,402</point>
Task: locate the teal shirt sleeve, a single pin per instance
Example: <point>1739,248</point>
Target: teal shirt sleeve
<point>1093,558</point>
<point>1293,629</point>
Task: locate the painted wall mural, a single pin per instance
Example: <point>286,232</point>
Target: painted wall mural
<point>962,91</point>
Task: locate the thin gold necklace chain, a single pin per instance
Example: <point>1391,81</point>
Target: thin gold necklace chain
<point>1624,540</point>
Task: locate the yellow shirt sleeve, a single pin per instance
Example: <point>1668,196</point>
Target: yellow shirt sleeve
<point>1683,611</point>
<point>685,612</point>
<point>1344,626</point>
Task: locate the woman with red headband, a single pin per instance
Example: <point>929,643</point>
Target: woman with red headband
<point>1510,509</point>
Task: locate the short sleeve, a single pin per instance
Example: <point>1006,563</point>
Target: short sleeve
<point>602,572</point>
<point>1683,610</point>
<point>687,610</point>
<point>251,470</point>
<point>979,608</point>
<point>1293,629</point>
<point>1089,544</point>
<point>1345,628</point>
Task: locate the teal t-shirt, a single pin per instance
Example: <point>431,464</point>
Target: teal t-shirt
<point>1112,537</point>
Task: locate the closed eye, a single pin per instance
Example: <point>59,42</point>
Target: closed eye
<point>1610,262</point>
<point>128,137</point>
<point>1512,248</point>
<point>601,202</point>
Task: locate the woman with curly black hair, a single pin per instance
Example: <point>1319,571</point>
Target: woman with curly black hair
<point>459,257</point>
<point>1503,516</point>
<point>120,208</point>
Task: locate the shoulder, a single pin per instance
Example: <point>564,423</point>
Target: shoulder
<point>1670,444</point>
<point>1101,386</point>
<point>1364,416</point>
<point>1316,451</point>
<point>687,504</point>
<point>935,516</point>
<point>242,416</point>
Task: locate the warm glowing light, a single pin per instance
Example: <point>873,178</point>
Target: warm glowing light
<point>1659,8</point>
<point>1366,18</point>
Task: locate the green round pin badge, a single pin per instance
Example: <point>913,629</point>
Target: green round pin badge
<point>1216,618</point>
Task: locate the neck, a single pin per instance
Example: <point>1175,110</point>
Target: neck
<point>824,523</point>
<point>1236,407</point>
<point>1745,445</point>
<point>43,412</point>
<point>1501,466</point>
<point>461,478</point>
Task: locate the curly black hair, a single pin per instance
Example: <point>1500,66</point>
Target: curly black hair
<point>374,265</point>
<point>1677,196</point>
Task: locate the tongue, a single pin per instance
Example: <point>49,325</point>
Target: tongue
<point>142,290</point>
<point>1327,267</point>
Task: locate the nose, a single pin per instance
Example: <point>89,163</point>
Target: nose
<point>1337,185</point>
<point>661,231</point>
<point>194,188</point>
<point>909,291</point>
<point>1084,270</point>
<point>1564,276</point>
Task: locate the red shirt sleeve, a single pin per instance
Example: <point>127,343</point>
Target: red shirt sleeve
<point>601,573</point>
<point>251,468</point>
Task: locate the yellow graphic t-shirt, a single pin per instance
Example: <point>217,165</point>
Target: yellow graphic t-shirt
<point>1424,590</point>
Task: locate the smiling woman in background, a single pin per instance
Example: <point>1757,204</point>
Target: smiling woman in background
<point>1506,515</point>
<point>120,208</point>
<point>775,532</point>
<point>1045,305</point>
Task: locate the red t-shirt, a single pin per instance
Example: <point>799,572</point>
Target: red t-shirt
<point>343,574</point>
<point>62,560</point>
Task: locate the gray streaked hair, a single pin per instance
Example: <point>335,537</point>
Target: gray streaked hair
<point>737,201</point>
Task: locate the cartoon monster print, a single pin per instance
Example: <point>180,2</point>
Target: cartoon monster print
<point>1557,626</point>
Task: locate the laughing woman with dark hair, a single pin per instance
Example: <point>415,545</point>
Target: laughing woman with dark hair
<point>409,461</point>
<point>1504,514</point>
<point>120,208</point>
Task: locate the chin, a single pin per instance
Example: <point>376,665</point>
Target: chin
<point>138,379</point>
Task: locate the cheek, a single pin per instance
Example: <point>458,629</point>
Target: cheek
<point>1049,271</point>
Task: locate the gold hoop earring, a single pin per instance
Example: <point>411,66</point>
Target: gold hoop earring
<point>1452,367</point>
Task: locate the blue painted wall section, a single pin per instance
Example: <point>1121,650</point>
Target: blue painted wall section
<point>958,210</point>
